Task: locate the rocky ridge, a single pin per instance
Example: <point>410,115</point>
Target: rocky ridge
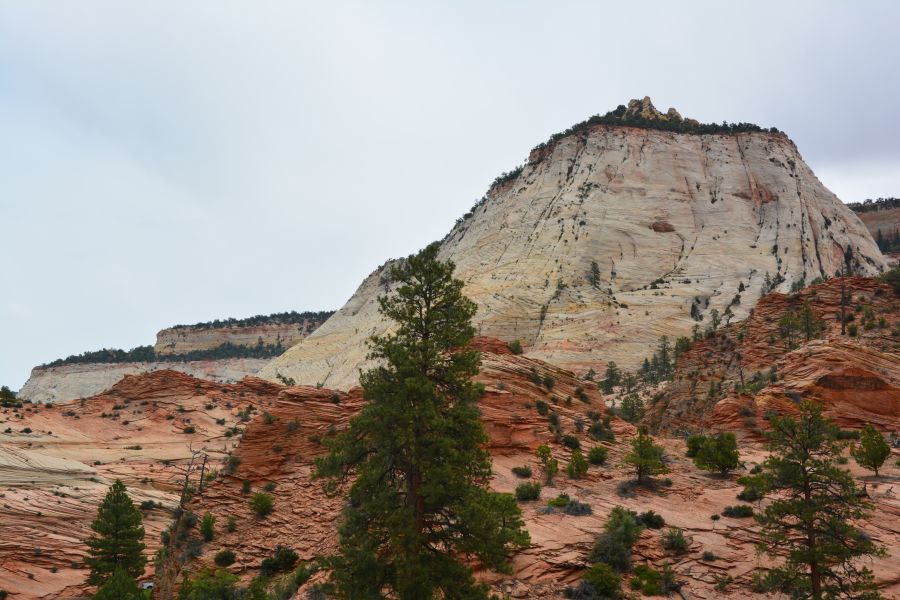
<point>611,236</point>
<point>51,485</point>
<point>190,349</point>
<point>726,381</point>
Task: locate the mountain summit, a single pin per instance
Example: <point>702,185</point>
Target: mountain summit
<point>624,228</point>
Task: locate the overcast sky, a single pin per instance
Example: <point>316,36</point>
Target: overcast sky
<point>171,162</point>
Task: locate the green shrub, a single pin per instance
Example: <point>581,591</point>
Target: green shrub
<point>209,584</point>
<point>528,491</point>
<point>601,431</point>
<point>577,509</point>
<point>224,558</point>
<point>740,511</point>
<point>559,502</point>
<point>597,455</point>
<point>189,429</point>
<point>269,486</point>
<point>651,520</point>
<point>515,347</point>
<point>709,556</point>
<point>718,453</point>
<point>723,580</point>
<point>207,527</point>
<point>613,547</point>
<point>570,441</point>
<point>578,465</point>
<point>604,581</point>
<point>245,486</point>
<point>231,524</point>
<point>542,407</point>
<point>647,580</point>
<point>282,560</point>
<point>848,434</point>
<point>694,444</point>
<point>261,504</point>
<point>549,382</point>
<point>673,539</point>
<point>523,472</point>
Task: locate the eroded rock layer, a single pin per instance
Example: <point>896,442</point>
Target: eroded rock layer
<point>733,379</point>
<point>57,462</point>
<point>51,485</point>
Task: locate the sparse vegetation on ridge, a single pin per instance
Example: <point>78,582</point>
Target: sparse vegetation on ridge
<point>148,354</point>
<point>283,318</point>
<point>621,117</point>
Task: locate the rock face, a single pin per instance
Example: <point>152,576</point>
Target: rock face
<point>68,382</point>
<point>286,332</point>
<point>612,236</point>
<point>856,378</point>
<point>266,335</point>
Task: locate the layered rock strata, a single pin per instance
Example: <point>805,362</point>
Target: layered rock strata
<point>612,236</point>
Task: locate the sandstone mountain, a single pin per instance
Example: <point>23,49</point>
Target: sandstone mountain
<point>223,350</point>
<point>624,228</point>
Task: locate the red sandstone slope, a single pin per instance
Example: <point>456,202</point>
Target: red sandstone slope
<point>305,519</point>
<point>278,451</point>
<point>857,378</point>
<point>53,478</point>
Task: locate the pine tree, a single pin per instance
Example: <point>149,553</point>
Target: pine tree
<point>549,465</point>
<point>811,325</point>
<point>718,453</point>
<point>632,409</point>
<point>646,457</point>
<point>578,465</point>
<point>811,517</point>
<point>118,538</point>
<point>420,503</point>
<point>612,379</point>
<point>872,450</point>
<point>120,586</point>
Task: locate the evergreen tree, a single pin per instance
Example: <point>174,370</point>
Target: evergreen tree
<point>117,542</point>
<point>810,325</point>
<point>646,457</point>
<point>613,377</point>
<point>121,586</point>
<point>872,450</point>
<point>788,326</point>
<point>208,527</point>
<point>811,518</point>
<point>549,464</point>
<point>718,453</point>
<point>419,510</point>
<point>632,409</point>
<point>665,358</point>
<point>578,465</point>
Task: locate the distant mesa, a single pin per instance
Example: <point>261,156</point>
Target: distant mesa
<point>223,350</point>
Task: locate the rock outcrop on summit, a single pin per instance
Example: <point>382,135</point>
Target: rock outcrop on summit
<point>625,228</point>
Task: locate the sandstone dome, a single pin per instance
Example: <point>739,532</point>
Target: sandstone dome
<point>624,228</point>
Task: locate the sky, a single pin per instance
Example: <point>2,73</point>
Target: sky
<point>168,162</point>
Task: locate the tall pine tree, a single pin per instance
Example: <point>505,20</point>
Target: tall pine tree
<point>812,517</point>
<point>419,504</point>
<point>117,541</point>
